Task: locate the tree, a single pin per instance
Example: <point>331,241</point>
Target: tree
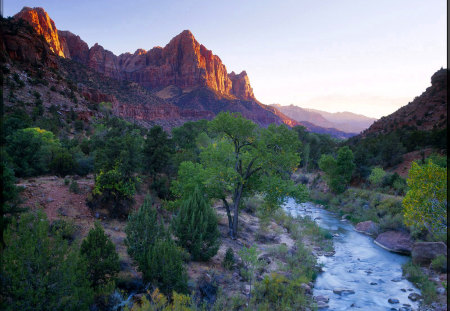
<point>338,171</point>
<point>376,176</point>
<point>39,272</point>
<point>425,203</point>
<point>244,159</point>
<point>10,197</point>
<point>62,163</point>
<point>31,150</point>
<point>142,229</point>
<point>164,267</point>
<point>157,150</point>
<point>117,158</point>
<point>100,257</point>
<point>195,226</point>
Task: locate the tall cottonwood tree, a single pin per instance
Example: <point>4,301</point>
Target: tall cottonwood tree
<point>243,160</point>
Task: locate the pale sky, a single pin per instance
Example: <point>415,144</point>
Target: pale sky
<point>367,57</point>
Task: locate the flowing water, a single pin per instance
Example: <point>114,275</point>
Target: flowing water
<point>373,273</point>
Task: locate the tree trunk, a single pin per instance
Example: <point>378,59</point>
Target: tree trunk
<point>230,220</point>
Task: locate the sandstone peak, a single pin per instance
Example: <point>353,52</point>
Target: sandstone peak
<point>42,23</point>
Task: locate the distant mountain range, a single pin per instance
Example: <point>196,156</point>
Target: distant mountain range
<point>344,121</point>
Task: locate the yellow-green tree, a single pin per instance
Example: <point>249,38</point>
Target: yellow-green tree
<point>425,203</point>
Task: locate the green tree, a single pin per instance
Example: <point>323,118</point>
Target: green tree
<point>244,159</point>
<point>117,158</point>
<point>9,199</point>
<point>425,203</point>
<point>62,163</point>
<point>376,176</point>
<point>157,151</point>
<point>195,226</point>
<point>338,171</point>
<point>39,272</point>
<point>100,257</point>
<point>142,229</point>
<point>165,268</point>
<point>31,150</point>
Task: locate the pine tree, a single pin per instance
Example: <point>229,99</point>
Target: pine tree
<point>164,267</point>
<point>100,257</point>
<point>142,229</point>
<point>195,226</point>
<point>39,272</point>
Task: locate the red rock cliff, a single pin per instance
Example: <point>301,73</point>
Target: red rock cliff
<point>44,25</point>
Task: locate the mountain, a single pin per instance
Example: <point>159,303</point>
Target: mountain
<point>344,121</point>
<point>182,81</point>
<point>426,112</point>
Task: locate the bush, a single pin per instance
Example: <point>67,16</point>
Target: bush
<point>160,302</point>
<point>279,293</point>
<point>164,267</point>
<point>39,272</point>
<point>84,166</point>
<point>439,264</point>
<point>195,226</point>
<point>228,260</point>
<point>376,176</point>
<point>100,257</point>
<point>415,274</point>
<point>142,229</point>
<point>114,192</point>
<point>66,181</point>
<point>63,228</point>
<point>74,188</point>
<point>62,163</point>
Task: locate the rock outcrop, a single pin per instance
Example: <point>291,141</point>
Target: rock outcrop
<point>395,241</point>
<point>20,43</point>
<point>44,25</point>
<point>241,85</point>
<point>79,50</point>
<point>424,252</point>
<point>367,227</point>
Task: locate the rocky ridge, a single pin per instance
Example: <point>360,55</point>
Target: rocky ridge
<point>183,62</point>
<point>426,112</point>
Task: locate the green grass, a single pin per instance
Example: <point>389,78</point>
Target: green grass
<point>415,274</point>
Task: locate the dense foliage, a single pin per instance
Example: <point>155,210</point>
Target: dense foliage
<point>164,267</point>
<point>425,203</point>
<point>195,226</point>
<point>40,272</point>
<point>242,160</point>
<point>142,229</point>
<point>31,150</point>
<point>100,257</point>
<point>338,171</point>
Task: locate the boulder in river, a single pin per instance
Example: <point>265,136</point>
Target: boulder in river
<point>414,296</point>
<point>343,291</point>
<point>367,227</point>
<point>393,300</point>
<point>395,241</point>
<point>424,252</point>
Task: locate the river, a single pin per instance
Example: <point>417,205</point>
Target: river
<point>373,273</point>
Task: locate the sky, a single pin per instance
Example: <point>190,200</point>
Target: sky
<point>367,57</point>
